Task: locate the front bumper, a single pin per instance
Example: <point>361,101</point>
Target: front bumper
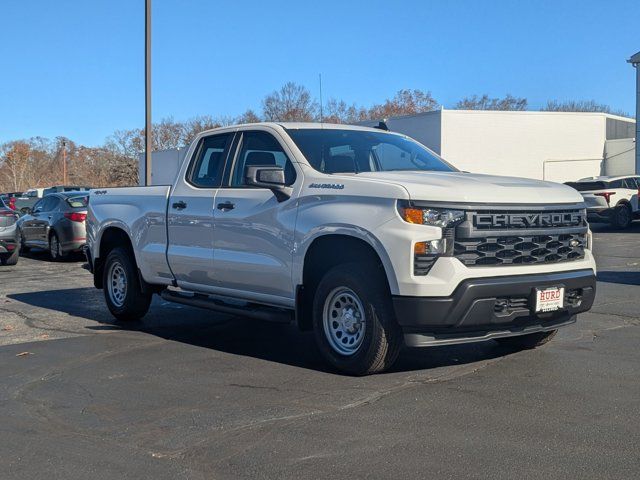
<point>484,308</point>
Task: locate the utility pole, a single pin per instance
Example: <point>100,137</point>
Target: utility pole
<point>64,162</point>
<point>147,92</point>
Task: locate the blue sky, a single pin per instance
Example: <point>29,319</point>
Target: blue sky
<point>75,68</point>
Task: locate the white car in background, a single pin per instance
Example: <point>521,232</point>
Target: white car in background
<point>611,200</point>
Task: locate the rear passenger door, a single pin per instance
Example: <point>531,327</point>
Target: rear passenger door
<point>190,213</point>
<point>254,232</point>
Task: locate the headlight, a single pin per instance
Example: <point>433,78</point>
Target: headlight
<point>435,217</point>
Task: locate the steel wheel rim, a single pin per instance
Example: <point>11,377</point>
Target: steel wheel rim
<point>344,321</point>
<point>117,284</point>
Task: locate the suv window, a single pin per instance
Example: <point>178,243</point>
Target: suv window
<point>206,167</point>
<point>617,184</point>
<point>260,149</point>
<point>630,183</point>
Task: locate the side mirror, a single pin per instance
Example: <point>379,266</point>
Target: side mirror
<point>271,178</point>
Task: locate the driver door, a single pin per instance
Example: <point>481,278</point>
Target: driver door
<point>254,232</point>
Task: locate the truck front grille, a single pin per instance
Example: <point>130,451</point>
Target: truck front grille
<point>521,236</point>
<point>518,250</point>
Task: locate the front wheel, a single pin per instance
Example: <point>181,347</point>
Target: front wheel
<point>121,287</point>
<point>526,342</point>
<point>353,320</point>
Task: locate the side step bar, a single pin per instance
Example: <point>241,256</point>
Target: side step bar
<point>230,306</point>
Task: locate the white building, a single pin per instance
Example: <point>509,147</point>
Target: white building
<point>557,146</point>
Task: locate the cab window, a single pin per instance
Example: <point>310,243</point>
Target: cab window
<point>207,164</point>
<point>260,149</point>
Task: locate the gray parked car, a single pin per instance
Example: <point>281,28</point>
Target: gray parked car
<point>56,223</point>
<point>9,244</point>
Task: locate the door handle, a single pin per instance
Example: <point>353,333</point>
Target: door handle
<point>226,206</point>
<point>179,205</point>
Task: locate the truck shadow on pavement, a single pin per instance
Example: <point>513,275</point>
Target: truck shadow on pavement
<point>272,342</point>
<point>623,278</point>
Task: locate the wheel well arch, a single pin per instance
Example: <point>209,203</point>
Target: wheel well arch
<point>324,253</point>
<point>624,201</point>
<point>111,238</point>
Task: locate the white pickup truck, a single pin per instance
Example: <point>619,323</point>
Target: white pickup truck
<point>364,236</point>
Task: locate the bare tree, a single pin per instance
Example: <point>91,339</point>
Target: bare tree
<point>292,103</point>
<point>249,117</point>
<point>337,111</point>
<point>581,106</point>
<point>484,102</point>
<point>405,102</point>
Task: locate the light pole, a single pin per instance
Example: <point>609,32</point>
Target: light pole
<point>147,92</point>
<point>64,162</point>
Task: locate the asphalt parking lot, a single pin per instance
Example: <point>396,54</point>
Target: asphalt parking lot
<point>188,394</point>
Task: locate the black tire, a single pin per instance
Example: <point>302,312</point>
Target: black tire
<point>378,343</point>
<point>55,248</point>
<point>11,259</point>
<point>131,304</point>
<point>622,216</point>
<point>23,247</point>
<point>526,342</point>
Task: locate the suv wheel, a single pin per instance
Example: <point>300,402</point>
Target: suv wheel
<point>525,342</point>
<point>622,216</point>
<point>122,287</point>
<point>353,320</point>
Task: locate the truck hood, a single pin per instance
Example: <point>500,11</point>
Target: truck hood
<point>458,187</point>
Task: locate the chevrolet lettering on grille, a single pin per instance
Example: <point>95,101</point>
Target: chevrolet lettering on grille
<point>527,220</point>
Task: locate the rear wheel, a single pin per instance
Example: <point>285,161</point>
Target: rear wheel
<point>55,248</point>
<point>525,342</point>
<point>353,319</point>
<point>622,216</point>
<point>121,287</point>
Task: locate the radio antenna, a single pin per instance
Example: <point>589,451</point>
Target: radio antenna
<point>320,80</point>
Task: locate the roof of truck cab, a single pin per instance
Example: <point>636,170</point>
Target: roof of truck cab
<point>299,126</point>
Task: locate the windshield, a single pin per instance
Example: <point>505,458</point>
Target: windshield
<point>354,151</point>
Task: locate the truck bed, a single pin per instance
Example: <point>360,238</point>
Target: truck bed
<point>142,213</point>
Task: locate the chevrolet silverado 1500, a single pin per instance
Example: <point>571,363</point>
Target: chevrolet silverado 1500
<point>362,235</point>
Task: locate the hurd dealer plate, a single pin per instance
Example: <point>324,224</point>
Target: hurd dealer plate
<point>549,299</point>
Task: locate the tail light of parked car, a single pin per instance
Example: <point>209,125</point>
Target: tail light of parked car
<point>76,216</point>
<point>8,218</point>
<point>606,195</point>
<point>12,203</point>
